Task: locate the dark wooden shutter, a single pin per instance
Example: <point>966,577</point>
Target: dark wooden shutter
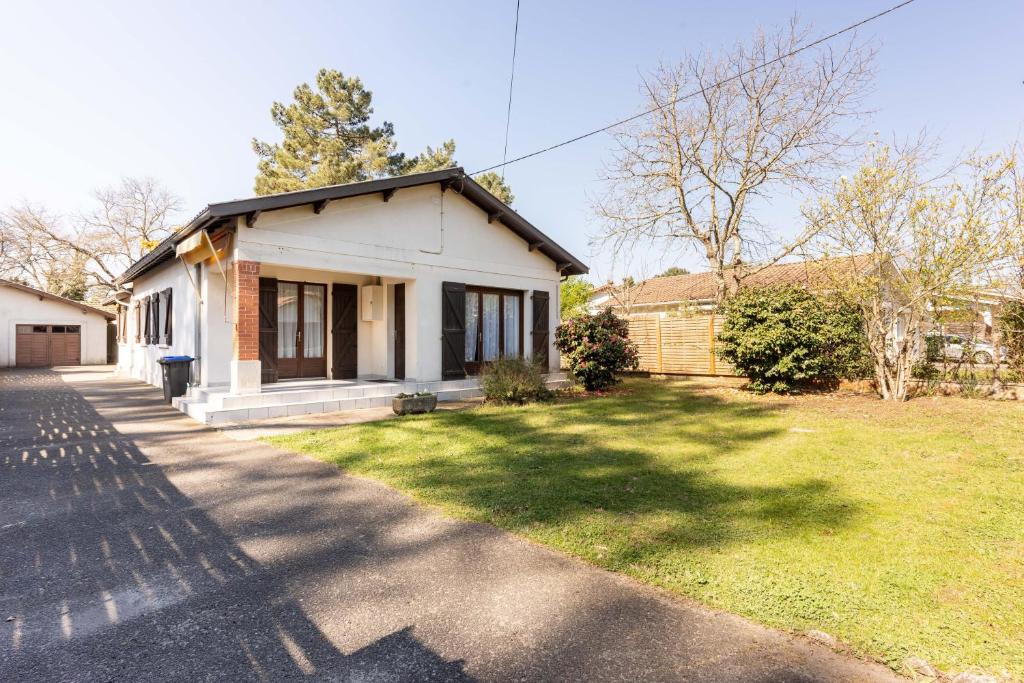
<point>541,327</point>
<point>168,316</point>
<point>453,330</point>
<point>344,331</point>
<point>147,334</point>
<point>268,330</point>
<point>138,322</point>
<point>400,331</point>
<point>154,312</point>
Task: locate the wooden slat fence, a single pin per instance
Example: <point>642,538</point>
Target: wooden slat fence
<point>682,345</point>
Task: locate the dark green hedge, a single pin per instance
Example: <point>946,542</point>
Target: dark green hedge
<point>784,338</point>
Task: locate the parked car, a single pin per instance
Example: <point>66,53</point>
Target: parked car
<point>955,347</point>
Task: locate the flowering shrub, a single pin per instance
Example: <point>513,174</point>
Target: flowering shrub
<point>596,347</point>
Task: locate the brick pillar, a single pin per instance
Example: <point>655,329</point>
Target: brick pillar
<point>245,362</point>
<point>247,310</point>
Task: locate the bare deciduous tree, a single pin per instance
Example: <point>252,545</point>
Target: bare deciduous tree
<point>28,255</point>
<point>129,221</point>
<point>690,174</point>
<point>927,241</point>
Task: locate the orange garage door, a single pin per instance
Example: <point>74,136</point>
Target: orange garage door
<point>40,346</point>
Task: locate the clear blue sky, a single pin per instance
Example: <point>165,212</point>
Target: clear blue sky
<point>96,91</point>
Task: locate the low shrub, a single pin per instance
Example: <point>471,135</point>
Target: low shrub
<point>596,347</point>
<point>783,338</point>
<point>923,369</point>
<point>513,380</point>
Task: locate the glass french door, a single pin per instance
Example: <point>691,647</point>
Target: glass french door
<point>494,326</point>
<point>301,332</point>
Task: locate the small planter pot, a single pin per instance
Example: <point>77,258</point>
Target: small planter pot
<point>412,405</point>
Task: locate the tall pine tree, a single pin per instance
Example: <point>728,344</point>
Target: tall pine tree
<point>496,185</point>
<point>328,140</point>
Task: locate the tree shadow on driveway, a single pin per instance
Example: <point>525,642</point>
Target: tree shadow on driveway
<point>109,572</point>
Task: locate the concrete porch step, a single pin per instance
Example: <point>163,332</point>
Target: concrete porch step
<point>215,406</point>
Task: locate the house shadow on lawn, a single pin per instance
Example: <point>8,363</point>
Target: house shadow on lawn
<point>637,472</point>
<point>109,572</point>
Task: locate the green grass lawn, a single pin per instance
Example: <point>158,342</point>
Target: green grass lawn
<point>897,528</point>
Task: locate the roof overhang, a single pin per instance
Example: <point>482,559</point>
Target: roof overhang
<point>216,215</point>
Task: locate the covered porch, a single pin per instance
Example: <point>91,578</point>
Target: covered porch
<point>317,324</point>
<point>293,326</point>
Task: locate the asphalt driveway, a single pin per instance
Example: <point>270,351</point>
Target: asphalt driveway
<point>138,545</point>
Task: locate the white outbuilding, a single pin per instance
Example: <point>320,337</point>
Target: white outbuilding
<point>39,329</point>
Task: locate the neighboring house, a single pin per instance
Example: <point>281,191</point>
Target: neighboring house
<point>419,278</point>
<point>695,292</point>
<point>976,317</point>
<point>39,329</point>
<point>673,319</point>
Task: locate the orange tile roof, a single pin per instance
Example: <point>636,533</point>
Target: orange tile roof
<point>817,274</point>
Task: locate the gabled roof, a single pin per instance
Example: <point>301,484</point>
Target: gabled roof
<point>86,308</point>
<point>701,287</point>
<point>454,179</point>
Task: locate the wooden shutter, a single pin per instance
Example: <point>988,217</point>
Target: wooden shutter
<point>268,330</point>
<point>453,330</point>
<point>138,322</point>
<point>541,327</point>
<point>400,331</point>
<point>168,316</point>
<point>344,331</point>
<point>147,334</point>
<point>155,309</point>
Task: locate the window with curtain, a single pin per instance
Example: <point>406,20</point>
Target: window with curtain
<point>510,325</point>
<point>313,321</point>
<point>287,318</point>
<point>493,325</point>
<point>472,326</point>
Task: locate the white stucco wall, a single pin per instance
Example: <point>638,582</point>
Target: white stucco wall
<point>422,237</point>
<point>18,307</point>
<point>137,359</point>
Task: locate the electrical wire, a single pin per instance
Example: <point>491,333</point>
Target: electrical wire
<point>648,112</point>
<point>511,80</point>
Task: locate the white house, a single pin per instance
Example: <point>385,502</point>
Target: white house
<point>416,279</point>
<point>39,329</point>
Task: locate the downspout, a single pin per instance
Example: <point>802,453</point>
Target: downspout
<point>440,249</point>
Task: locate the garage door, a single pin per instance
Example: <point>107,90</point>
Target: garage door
<point>40,346</point>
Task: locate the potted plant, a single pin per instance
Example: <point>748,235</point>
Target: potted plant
<point>412,404</point>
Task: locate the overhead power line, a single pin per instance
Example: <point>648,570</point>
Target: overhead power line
<point>648,112</point>
<point>511,80</point>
